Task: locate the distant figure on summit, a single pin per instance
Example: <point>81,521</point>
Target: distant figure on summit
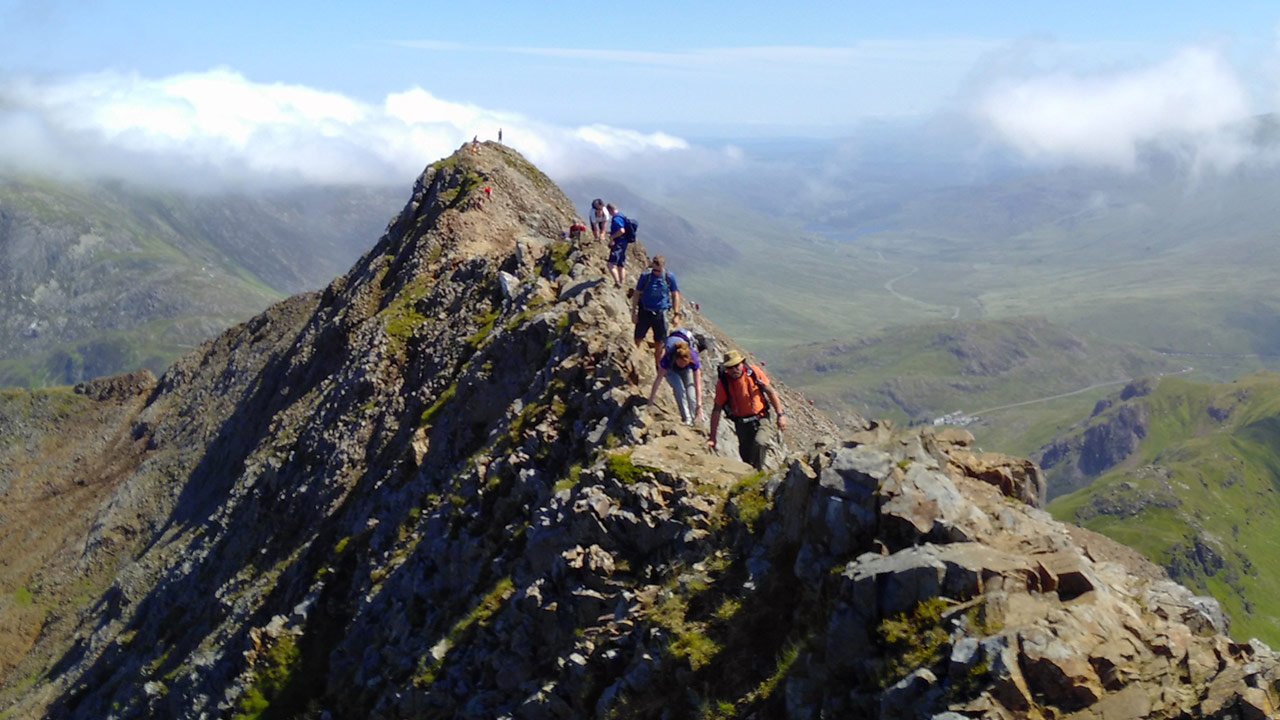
<point>499,134</point>
<point>746,392</point>
<point>619,238</point>
<point>656,292</point>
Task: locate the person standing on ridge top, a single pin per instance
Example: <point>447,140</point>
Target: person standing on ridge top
<point>619,239</point>
<point>745,391</point>
<point>682,368</point>
<point>656,292</point>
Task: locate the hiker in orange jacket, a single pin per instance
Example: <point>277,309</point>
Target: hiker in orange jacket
<point>745,391</point>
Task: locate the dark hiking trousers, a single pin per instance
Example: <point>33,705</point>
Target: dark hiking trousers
<point>751,440</point>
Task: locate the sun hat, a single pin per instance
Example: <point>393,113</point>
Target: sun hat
<point>733,357</point>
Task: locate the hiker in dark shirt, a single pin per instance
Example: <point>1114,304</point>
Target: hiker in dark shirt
<point>656,292</point>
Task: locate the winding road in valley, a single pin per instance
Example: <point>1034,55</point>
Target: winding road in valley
<point>888,286</point>
<point>1095,386</point>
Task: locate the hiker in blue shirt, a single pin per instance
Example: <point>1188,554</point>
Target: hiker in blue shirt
<point>656,292</point>
<point>619,239</point>
<point>682,369</point>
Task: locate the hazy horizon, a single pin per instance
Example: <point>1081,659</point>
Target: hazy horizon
<point>302,95</point>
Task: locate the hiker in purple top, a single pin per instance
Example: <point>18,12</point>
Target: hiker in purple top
<point>682,368</point>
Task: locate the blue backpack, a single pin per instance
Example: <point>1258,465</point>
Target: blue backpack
<point>631,226</point>
<point>655,292</point>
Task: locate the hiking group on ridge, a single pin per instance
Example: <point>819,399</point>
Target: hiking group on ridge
<point>743,391</point>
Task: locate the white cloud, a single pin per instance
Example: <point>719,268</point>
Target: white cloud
<point>1193,102</point>
<point>213,129</point>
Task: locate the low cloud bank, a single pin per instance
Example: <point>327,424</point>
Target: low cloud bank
<point>216,129</point>
<point>1193,104</point>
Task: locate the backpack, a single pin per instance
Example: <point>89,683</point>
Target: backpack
<point>723,379</point>
<point>631,226</point>
<point>662,295</point>
<point>692,339</point>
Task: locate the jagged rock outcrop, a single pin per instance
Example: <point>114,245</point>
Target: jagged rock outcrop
<point>1111,435</point>
<point>435,490</point>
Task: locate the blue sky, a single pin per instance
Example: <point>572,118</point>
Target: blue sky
<point>252,89</point>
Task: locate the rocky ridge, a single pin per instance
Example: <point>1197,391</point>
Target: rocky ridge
<point>434,490</point>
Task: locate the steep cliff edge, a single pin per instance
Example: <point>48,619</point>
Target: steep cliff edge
<point>434,490</point>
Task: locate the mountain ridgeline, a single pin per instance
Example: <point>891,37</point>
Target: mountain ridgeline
<point>435,489</point>
<point>102,278</point>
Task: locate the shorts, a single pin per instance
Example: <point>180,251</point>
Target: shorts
<point>618,255</point>
<point>651,319</point>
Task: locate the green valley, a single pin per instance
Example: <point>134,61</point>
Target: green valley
<point>865,272</point>
<point>986,375</point>
<point>1199,493</point>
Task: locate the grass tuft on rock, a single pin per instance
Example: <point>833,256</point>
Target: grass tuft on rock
<point>621,467</point>
<point>913,639</point>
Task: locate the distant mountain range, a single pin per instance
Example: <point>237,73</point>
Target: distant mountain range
<point>104,278</point>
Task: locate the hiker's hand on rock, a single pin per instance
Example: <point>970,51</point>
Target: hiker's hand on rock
<point>782,421</point>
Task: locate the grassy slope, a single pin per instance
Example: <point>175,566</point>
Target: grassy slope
<point>52,478</point>
<point>1022,430</point>
<point>1197,480</point>
<point>921,372</point>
